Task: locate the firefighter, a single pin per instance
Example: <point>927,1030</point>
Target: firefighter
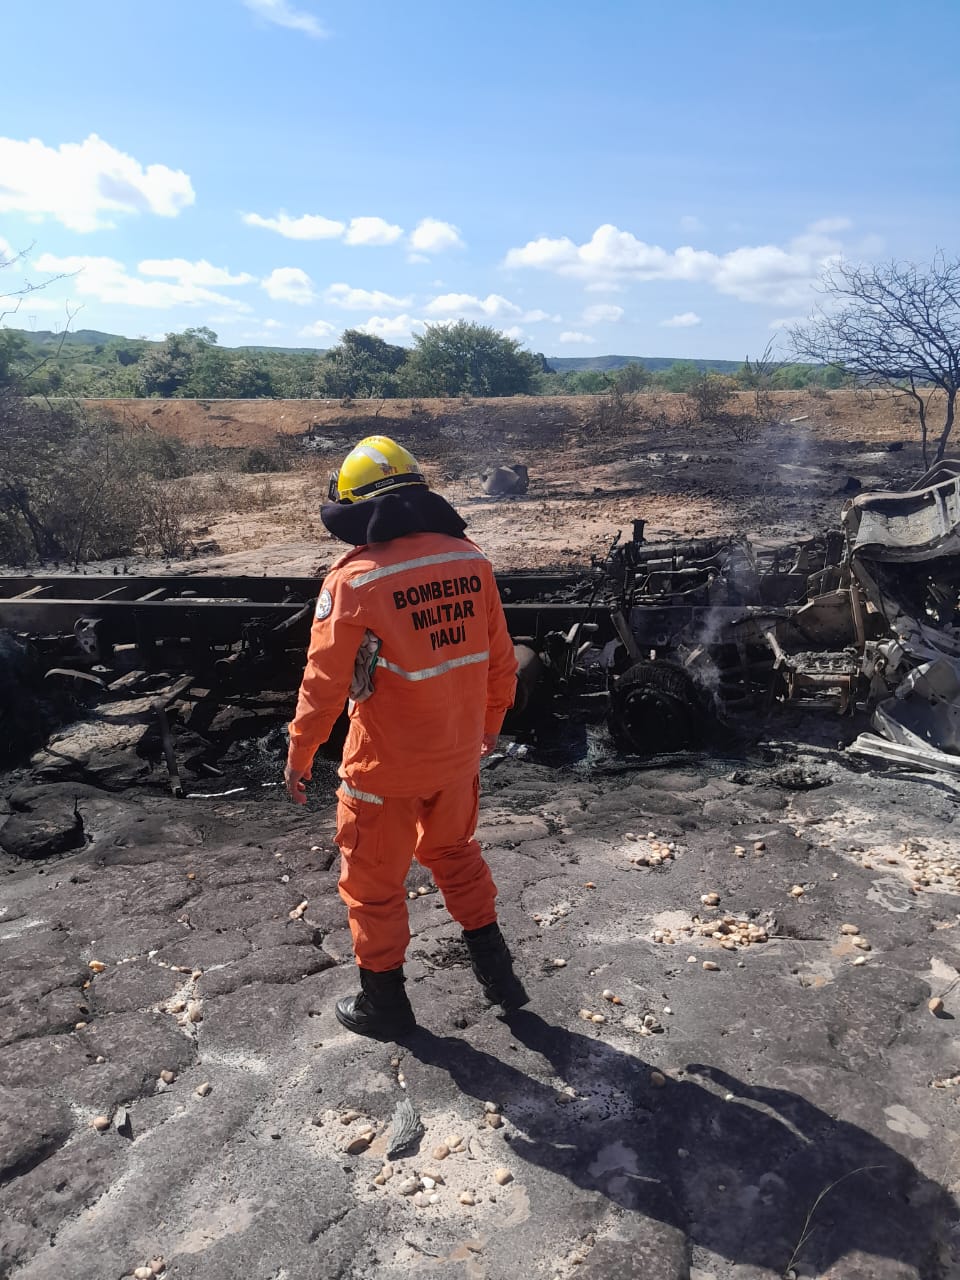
<point>408,626</point>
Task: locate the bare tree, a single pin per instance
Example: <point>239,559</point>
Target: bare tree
<point>758,376</point>
<point>894,325</point>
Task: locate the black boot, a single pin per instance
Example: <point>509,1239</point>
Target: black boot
<point>380,1009</point>
<point>492,967</point>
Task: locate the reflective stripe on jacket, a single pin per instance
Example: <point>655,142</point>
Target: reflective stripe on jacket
<point>444,675</point>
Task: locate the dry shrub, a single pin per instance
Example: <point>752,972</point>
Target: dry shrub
<point>713,393</point>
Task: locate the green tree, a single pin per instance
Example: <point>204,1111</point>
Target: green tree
<point>360,365</point>
<point>167,369</point>
<point>13,352</point>
<point>587,382</point>
<point>634,376</point>
<point>471,359</point>
<point>682,375</point>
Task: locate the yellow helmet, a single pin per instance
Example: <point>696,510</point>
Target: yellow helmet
<point>376,465</point>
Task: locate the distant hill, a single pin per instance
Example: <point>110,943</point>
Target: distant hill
<point>94,338</point>
<point>574,364</point>
<point>72,338</point>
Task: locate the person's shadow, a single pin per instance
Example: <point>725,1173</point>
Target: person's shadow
<point>737,1175</point>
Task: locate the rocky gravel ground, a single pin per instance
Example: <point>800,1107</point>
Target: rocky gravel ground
<point>740,1058</point>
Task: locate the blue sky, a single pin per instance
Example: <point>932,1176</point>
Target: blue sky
<point>620,177</point>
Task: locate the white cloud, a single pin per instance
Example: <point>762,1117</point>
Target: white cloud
<point>272,324</point>
<point>282,14</point>
<point>433,236</point>
<point>602,313</point>
<point>417,257</point>
<point>80,183</point>
<point>690,222</point>
<point>310,226</point>
<point>514,332</point>
<point>754,273</point>
<point>536,316</point>
<point>571,335</point>
<point>109,281</point>
<point>34,301</point>
<point>830,226</point>
<point>785,322</point>
<point>492,307</point>
<point>7,255</point>
<point>319,329</point>
<point>686,320</point>
<point>289,284</point>
<point>390,327</point>
<point>202,272</point>
<point>604,286</point>
<point>372,231</point>
<point>363,299</point>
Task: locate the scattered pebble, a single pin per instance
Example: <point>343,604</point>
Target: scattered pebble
<point>143,1273</point>
<point>409,1186</point>
<point>759,846</point>
<point>441,1152</point>
<point>935,1005</point>
<point>490,1107</point>
<point>494,1120</point>
<point>202,1090</point>
<point>78,1026</point>
<point>298,910</point>
<point>597,1017</point>
<point>797,891</point>
<point>356,1146</point>
<point>348,1116</point>
<point>863,944</point>
<point>559,963</point>
<point>502,1176</point>
<point>467,1197</point>
<point>850,929</point>
<point>96,966</point>
<point>168,1077</point>
<point>860,960</point>
<point>711,966</point>
<point>194,1011</point>
<point>710,899</point>
<point>658,1079</point>
<point>386,1172</point>
<point>101,1123</point>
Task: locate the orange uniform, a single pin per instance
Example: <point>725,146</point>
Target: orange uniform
<point>413,631</point>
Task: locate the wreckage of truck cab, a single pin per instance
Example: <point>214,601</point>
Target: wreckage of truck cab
<point>866,617</point>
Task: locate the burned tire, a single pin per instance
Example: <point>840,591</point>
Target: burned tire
<point>655,707</point>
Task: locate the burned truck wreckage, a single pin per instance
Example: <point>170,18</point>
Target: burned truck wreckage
<point>674,639</point>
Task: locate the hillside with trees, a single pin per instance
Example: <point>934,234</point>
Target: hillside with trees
<point>446,360</point>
